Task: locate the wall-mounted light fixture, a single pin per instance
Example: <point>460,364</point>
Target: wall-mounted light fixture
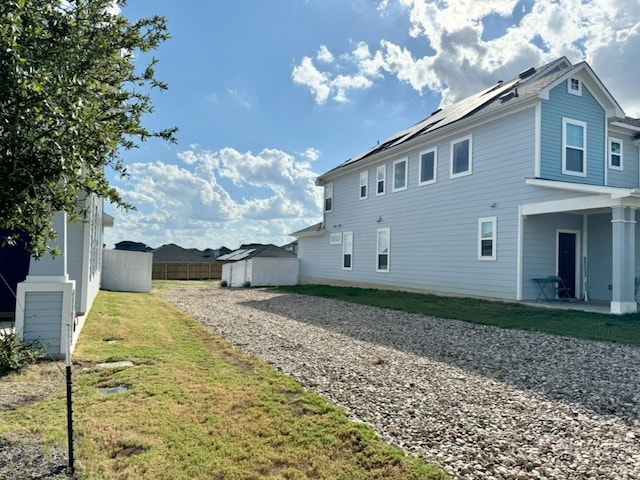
<point>379,219</point>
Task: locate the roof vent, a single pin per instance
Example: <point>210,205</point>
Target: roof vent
<point>436,111</point>
<point>527,73</point>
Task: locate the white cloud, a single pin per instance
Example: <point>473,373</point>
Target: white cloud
<point>189,203</point>
<point>240,96</point>
<point>324,55</point>
<point>606,33</point>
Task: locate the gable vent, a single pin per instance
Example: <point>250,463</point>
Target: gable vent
<point>527,73</point>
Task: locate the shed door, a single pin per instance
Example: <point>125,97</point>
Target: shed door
<point>567,260</point>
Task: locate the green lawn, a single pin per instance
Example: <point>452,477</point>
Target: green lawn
<point>573,323</point>
<point>198,409</point>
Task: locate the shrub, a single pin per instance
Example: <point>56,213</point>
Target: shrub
<point>224,284</point>
<point>15,354</point>
<point>246,284</point>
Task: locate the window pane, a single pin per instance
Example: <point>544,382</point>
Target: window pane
<point>364,180</point>
<point>346,263</point>
<point>383,242</point>
<point>461,157</point>
<point>486,248</point>
<point>574,160</point>
<point>487,229</point>
<point>383,262</point>
<point>427,167</point>
<point>399,170</point>
<point>575,135</point>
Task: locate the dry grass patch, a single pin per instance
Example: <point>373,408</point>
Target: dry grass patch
<point>198,409</point>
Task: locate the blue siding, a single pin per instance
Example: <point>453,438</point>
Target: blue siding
<point>584,108</point>
<point>42,320</point>
<point>629,177</point>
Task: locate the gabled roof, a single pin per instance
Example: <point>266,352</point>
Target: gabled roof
<point>532,83</point>
<point>313,230</point>
<point>172,253</point>
<point>256,250</point>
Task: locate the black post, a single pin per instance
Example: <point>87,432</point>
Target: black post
<point>70,466</point>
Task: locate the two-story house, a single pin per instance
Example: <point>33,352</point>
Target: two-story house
<point>532,178</point>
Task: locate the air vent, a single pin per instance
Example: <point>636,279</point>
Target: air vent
<point>527,73</point>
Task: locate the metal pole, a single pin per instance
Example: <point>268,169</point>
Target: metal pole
<point>70,466</point>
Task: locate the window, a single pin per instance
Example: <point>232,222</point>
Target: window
<point>347,250</point>
<point>381,173</point>
<point>335,238</point>
<point>487,238</point>
<point>328,197</point>
<point>400,175</point>
<point>428,167</point>
<point>574,86</point>
<point>383,244</point>
<point>615,154</point>
<point>574,147</point>
<point>461,157</point>
<point>364,183</point>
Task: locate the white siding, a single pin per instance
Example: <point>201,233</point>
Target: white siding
<point>42,311</point>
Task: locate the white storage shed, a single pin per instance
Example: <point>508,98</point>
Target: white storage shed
<point>259,266</point>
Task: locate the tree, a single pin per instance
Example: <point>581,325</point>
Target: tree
<point>71,101</point>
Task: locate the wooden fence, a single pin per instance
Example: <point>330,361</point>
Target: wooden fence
<point>187,271</point>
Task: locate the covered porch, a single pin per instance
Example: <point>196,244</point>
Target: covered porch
<point>588,240</point>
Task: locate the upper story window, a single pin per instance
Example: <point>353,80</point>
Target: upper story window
<point>574,147</point>
<point>428,167</point>
<point>400,175</point>
<point>381,174</point>
<point>364,184</point>
<point>615,154</point>
<point>347,250</point>
<point>461,157</point>
<point>574,86</point>
<point>487,238</point>
<point>383,249</point>
<point>328,197</point>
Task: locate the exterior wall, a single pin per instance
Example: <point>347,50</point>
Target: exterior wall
<point>125,271</point>
<point>629,177</point>
<point>273,271</point>
<point>75,249</point>
<point>599,256</point>
<point>42,311</point>
<point>540,249</point>
<point>585,108</point>
<point>235,273</point>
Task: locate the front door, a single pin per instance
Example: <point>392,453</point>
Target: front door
<point>567,260</point>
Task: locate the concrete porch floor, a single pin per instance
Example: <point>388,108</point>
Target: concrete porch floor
<point>595,307</point>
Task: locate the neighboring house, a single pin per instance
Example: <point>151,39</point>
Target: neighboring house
<point>172,262</point>
<point>534,177</point>
<point>53,299</point>
<point>259,266</point>
<point>133,246</point>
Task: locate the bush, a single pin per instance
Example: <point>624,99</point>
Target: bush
<point>246,284</point>
<point>224,284</point>
<point>15,354</point>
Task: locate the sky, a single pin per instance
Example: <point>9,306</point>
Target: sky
<point>268,95</point>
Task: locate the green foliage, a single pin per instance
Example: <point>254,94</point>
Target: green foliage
<point>224,284</point>
<point>15,354</point>
<point>246,284</point>
<point>571,323</point>
<point>71,100</point>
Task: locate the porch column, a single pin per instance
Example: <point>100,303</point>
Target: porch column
<point>623,260</point>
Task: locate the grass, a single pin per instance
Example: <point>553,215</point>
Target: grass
<point>198,409</point>
<point>572,323</point>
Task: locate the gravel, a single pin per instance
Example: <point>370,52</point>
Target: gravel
<point>480,401</point>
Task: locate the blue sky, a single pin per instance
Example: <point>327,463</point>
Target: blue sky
<point>270,94</point>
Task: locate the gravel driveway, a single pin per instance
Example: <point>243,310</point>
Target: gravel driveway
<point>480,401</point>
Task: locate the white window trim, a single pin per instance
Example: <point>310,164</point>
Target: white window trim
<point>572,91</point>
<point>611,165</point>
<point>383,169</point>
<point>494,237</point>
<point>565,171</point>
<point>435,166</point>
<point>406,174</point>
<point>469,171</point>
<point>335,238</point>
<point>388,231</point>
<point>344,247</point>
<point>364,176</point>
<point>327,187</point>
